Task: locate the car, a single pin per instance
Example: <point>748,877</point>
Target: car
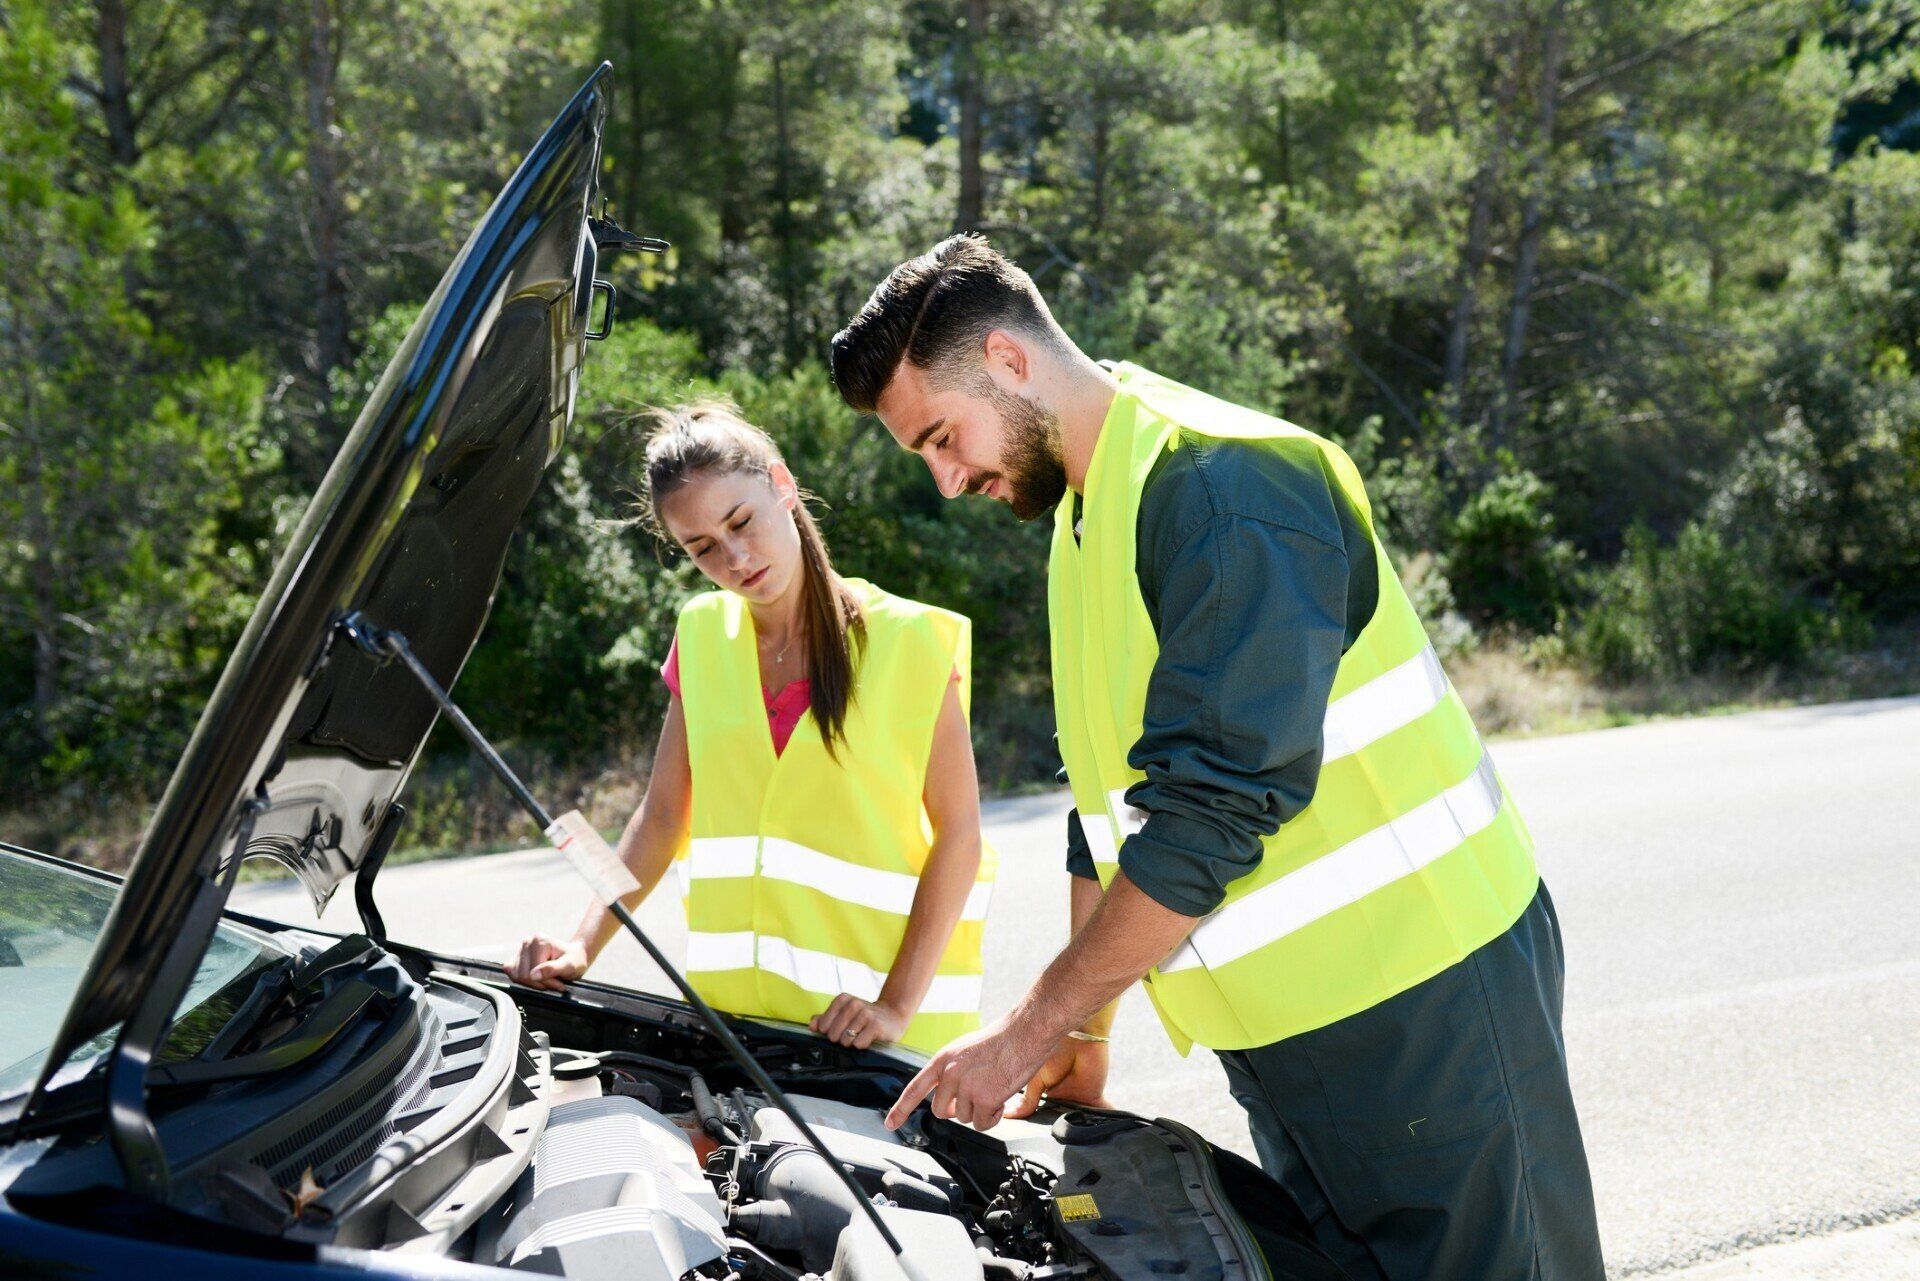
<point>187,1091</point>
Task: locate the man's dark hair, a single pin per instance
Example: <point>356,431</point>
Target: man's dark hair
<point>933,310</point>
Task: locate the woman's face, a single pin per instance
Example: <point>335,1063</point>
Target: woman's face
<point>739,530</point>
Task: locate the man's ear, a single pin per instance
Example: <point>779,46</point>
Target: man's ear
<point>785,487</point>
<point>1008,361</point>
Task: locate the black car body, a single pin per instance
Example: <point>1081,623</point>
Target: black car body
<point>194,1092</point>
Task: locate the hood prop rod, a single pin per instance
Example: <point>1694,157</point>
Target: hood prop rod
<point>383,645</point>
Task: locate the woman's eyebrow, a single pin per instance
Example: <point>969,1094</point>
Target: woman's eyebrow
<point>726,519</point>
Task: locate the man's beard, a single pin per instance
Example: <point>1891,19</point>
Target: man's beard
<point>1031,462</point>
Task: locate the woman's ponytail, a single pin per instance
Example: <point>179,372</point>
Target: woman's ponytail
<point>836,632</point>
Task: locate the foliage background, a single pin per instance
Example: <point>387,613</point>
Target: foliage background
<point>1617,302</point>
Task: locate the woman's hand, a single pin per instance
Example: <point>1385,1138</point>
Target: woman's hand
<point>544,963</point>
<point>1076,1072</point>
<point>857,1023</point>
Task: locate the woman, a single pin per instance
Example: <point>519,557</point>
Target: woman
<point>815,767</point>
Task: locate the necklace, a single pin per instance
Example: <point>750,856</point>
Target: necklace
<point>782,655</point>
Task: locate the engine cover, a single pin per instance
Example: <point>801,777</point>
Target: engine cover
<point>615,1191</point>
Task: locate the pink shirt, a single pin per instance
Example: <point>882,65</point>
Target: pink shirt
<point>784,709</point>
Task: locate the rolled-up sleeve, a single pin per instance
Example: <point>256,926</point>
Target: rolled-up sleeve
<point>1251,616</point>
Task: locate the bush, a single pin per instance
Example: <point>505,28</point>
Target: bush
<point>1504,559</point>
<point>1432,598</point>
<point>1410,503</point>
<point>164,514</point>
<point>1702,602</point>
<point>1830,498</point>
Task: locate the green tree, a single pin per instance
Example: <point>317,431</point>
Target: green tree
<point>124,478</point>
<point>761,148</point>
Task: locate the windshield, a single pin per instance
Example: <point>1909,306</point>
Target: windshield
<point>50,917</point>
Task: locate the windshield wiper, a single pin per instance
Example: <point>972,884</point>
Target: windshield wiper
<point>278,993</point>
<point>275,989</point>
<point>318,1029</point>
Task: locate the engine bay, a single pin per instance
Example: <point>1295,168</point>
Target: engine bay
<point>601,1134</point>
<point>647,1172</point>
<point>647,1169</point>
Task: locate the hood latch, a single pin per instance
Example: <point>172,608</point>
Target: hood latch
<point>610,237</point>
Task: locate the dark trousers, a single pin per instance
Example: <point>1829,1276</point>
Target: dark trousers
<point>1433,1136</point>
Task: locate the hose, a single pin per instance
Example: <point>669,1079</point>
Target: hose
<point>709,1111</point>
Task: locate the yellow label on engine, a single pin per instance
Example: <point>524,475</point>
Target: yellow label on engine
<point>1077,1208</point>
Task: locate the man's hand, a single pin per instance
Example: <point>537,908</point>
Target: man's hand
<point>971,1080</point>
<point>852,1021</point>
<point>1076,1072</point>
<point>544,963</point>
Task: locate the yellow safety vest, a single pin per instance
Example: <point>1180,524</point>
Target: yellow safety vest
<point>801,871</point>
<point>1410,854</point>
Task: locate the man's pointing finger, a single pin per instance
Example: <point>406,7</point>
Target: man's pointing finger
<point>917,1089</point>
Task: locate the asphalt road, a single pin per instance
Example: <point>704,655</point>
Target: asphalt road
<point>1739,897</point>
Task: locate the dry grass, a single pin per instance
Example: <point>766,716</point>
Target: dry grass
<point>80,827</point>
<point>1517,690</point>
<point>1512,692</point>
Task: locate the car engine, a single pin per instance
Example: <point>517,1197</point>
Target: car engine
<point>648,1173</point>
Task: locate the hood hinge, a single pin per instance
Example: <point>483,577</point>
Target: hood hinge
<point>130,1128</point>
<point>377,851</point>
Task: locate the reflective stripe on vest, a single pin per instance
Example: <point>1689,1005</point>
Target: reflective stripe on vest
<point>822,973</point>
<point>1396,698</point>
<point>1397,848</point>
<point>802,867</point>
<point>1409,855</point>
<point>720,857</point>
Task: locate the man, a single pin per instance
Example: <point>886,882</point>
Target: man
<point>1285,820</point>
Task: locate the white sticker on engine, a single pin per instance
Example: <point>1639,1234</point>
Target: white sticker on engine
<point>592,857</point>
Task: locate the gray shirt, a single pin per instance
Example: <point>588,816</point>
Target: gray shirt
<point>1258,574</point>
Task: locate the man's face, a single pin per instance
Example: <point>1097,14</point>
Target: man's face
<point>978,438</point>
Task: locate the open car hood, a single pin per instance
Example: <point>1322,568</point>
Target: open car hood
<point>306,740</point>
